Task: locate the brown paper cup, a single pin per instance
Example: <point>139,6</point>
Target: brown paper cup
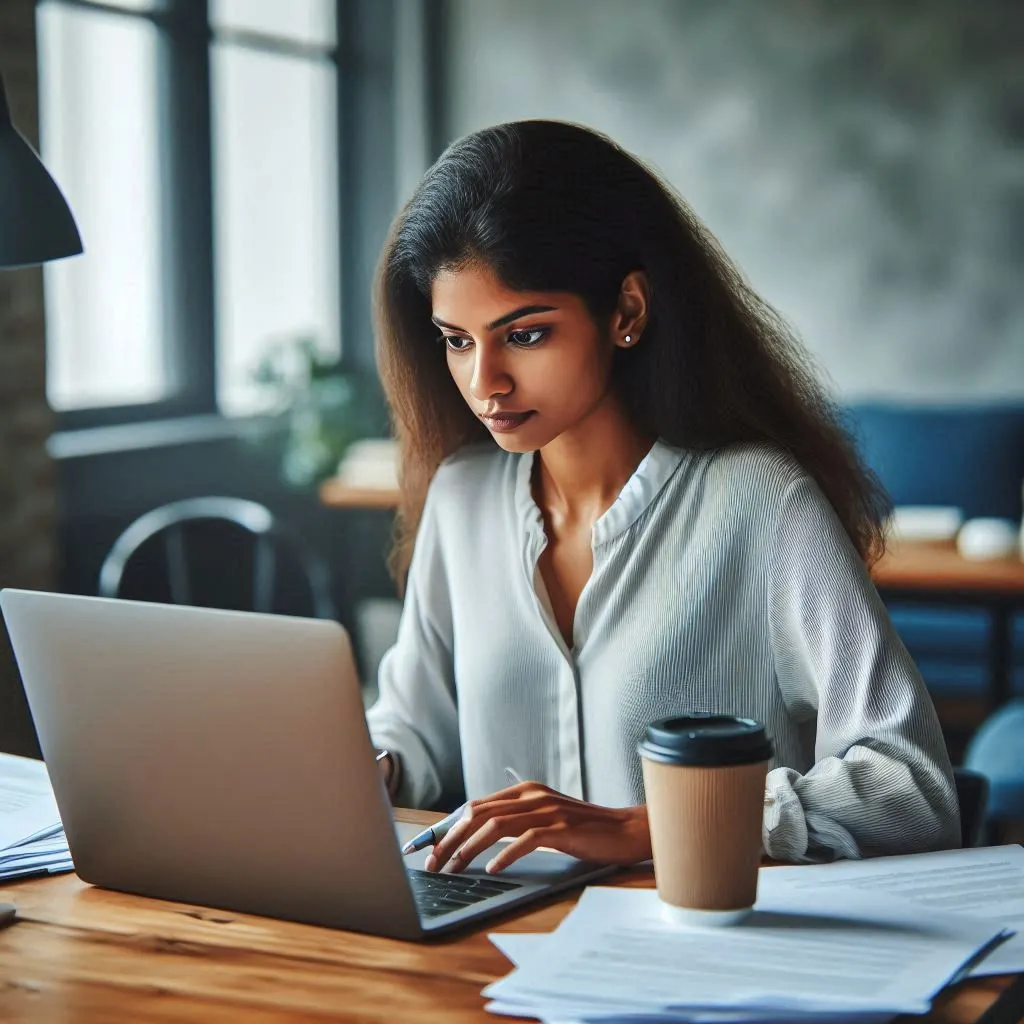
<point>705,826</point>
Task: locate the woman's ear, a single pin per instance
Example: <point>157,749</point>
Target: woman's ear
<point>632,310</point>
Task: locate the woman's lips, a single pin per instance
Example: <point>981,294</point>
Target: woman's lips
<point>505,422</point>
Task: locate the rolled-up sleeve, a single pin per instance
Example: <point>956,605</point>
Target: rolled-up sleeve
<point>416,714</point>
<point>882,781</point>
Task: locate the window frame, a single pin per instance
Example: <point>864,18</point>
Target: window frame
<point>187,198</point>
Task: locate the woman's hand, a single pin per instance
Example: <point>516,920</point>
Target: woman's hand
<point>534,815</point>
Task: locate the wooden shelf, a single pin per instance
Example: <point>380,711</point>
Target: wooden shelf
<point>906,564</point>
<point>336,494</point>
<point>942,567</point>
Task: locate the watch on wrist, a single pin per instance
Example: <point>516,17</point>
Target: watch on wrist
<point>394,769</point>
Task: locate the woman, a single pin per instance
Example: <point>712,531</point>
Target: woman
<point>629,499</point>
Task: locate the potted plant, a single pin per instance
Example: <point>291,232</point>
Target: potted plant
<point>316,408</point>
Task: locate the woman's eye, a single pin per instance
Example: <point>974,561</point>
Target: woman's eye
<point>528,337</point>
<point>455,343</point>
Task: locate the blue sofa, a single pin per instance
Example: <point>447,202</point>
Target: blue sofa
<point>968,456</point>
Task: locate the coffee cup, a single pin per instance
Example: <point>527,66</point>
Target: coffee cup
<point>704,777</point>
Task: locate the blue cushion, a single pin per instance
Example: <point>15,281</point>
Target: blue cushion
<point>948,677</point>
<point>950,647</point>
<point>952,630</point>
<point>968,456</point>
<point>997,751</point>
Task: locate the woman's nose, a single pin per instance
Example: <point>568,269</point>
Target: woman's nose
<point>490,376</point>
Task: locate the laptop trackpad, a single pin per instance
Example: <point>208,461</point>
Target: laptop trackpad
<point>536,866</point>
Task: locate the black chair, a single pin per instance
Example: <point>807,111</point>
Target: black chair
<point>972,795</point>
<point>237,531</point>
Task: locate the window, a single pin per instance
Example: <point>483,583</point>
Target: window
<point>275,192</point>
<point>300,21</point>
<point>197,143</point>
<point>98,113</point>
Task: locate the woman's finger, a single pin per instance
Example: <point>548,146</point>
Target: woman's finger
<point>478,813</point>
<point>493,830</point>
<point>612,835</point>
<point>526,843</point>
<point>441,851</point>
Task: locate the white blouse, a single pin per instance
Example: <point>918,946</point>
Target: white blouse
<point>722,582</point>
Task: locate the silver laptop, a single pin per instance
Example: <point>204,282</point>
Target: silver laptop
<point>222,758</point>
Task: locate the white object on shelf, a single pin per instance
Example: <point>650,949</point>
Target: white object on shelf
<point>981,539</point>
<point>371,464</point>
<point>925,522</point>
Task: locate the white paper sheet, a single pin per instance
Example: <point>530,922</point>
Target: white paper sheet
<point>834,954</point>
<point>50,832</point>
<point>26,870</point>
<point>585,1016</point>
<point>27,805</point>
<point>987,883</point>
<point>43,848</point>
<point>517,946</point>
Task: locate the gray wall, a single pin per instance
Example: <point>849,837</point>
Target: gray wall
<point>863,163</point>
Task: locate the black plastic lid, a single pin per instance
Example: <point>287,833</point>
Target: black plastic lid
<point>706,740</point>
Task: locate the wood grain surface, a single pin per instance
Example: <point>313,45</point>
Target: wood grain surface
<point>336,494</point>
<point>81,954</point>
<point>941,567</point>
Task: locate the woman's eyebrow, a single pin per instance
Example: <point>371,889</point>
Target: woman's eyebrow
<point>502,320</point>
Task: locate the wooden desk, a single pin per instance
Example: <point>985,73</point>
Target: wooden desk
<point>936,574</point>
<point>86,955</point>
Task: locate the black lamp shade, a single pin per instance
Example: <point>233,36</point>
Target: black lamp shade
<point>36,223</point>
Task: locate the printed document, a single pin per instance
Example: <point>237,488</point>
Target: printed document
<point>838,953</point>
<point>987,883</point>
<point>27,805</point>
<point>518,946</point>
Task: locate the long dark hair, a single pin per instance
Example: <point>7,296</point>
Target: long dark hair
<point>550,206</point>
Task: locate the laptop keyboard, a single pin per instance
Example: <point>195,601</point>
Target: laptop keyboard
<point>438,894</point>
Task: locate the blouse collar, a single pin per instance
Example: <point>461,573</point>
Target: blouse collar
<point>654,471</point>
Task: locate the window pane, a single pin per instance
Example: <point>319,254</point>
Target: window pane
<point>275,196</point>
<point>98,119</point>
<point>306,21</point>
<point>138,5</point>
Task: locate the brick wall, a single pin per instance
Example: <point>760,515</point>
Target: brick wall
<point>27,487</point>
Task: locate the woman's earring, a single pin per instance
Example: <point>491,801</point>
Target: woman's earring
<point>628,340</point>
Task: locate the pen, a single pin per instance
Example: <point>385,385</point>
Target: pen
<point>433,835</point>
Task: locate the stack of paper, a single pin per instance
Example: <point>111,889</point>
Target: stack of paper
<point>835,955</point>
<point>32,841</point>
<point>40,854</point>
